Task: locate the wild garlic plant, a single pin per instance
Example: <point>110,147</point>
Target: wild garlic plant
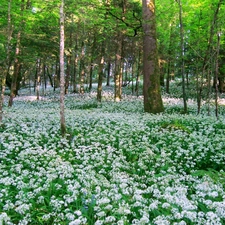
<point>117,165</point>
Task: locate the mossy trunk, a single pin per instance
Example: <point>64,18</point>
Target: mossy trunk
<point>152,93</point>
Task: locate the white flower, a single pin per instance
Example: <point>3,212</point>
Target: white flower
<point>144,220</point>
<point>70,216</point>
<point>98,222</point>
<point>75,222</point>
<point>161,220</point>
<point>4,218</point>
<point>101,214</point>
<point>110,219</point>
<point>165,205</point>
<point>21,209</point>
<point>78,212</point>
<point>103,201</point>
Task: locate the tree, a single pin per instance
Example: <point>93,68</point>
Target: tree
<point>62,74</point>
<point>7,61</point>
<point>152,93</point>
<point>17,64</point>
<point>182,55</point>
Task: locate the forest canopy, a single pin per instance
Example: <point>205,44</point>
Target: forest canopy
<point>104,40</point>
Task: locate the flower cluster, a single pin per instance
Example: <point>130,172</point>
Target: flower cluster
<point>116,165</point>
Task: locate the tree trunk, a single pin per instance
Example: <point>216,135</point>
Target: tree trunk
<point>62,73</point>
<point>100,77</point>
<point>68,69</point>
<point>169,59</point>
<point>82,72</point>
<point>216,73</point>
<point>17,64</point>
<point>49,76</point>
<point>7,62</point>
<point>138,73</point>
<point>108,73</point>
<point>182,56</point>
<point>38,69</point>
<point>14,91</point>
<point>118,71</point>
<point>152,93</point>
<point>208,54</point>
<point>93,55</point>
<point>44,77</point>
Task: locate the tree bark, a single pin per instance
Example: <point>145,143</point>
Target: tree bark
<point>100,77</point>
<point>14,91</point>
<point>81,71</point>
<point>118,71</point>
<point>182,56</point>
<point>208,54</point>
<point>152,93</point>
<point>216,74</point>
<point>7,62</point>
<point>108,73</point>
<point>62,73</point>
<point>38,69</point>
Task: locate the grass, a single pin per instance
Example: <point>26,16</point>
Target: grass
<point>117,165</point>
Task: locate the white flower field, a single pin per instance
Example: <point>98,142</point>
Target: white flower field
<point>117,165</point>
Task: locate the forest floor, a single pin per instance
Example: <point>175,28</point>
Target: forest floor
<point>116,165</point>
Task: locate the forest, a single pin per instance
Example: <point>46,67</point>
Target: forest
<point>112,112</point>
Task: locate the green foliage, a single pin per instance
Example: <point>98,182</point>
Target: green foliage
<point>85,105</point>
<point>113,164</point>
<point>175,125</point>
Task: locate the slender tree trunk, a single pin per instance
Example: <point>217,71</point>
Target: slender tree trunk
<point>91,76</point>
<point>138,73</point>
<point>82,72</point>
<point>152,93</point>
<point>7,62</point>
<point>49,76</point>
<point>216,74</point>
<point>17,64</point>
<point>38,78</point>
<point>108,73</point>
<point>100,77</point>
<point>132,77</point>
<point>55,79</point>
<point>207,57</point>
<point>93,51</point>
<point>68,69</point>
<point>182,56</point>
<point>168,78</point>
<point>44,77</point>
<point>169,61</point>
<point>13,91</point>
<point>62,73</point>
<point>118,72</point>
<point>75,74</point>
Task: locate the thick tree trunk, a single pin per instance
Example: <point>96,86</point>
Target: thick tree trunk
<point>152,93</point>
